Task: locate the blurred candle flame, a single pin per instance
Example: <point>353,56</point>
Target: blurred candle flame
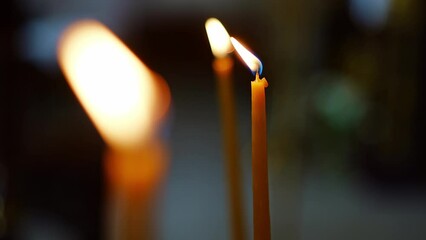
<point>218,38</point>
<point>115,88</point>
<point>249,58</point>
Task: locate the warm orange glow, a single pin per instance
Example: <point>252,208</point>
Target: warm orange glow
<point>140,171</point>
<point>115,88</point>
<point>249,58</point>
<point>218,38</point>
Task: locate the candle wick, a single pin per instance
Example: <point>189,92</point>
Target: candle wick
<point>257,76</point>
<point>260,68</point>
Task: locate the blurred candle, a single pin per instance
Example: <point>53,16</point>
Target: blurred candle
<point>125,101</point>
<point>223,65</point>
<point>261,218</point>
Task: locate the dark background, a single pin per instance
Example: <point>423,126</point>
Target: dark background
<point>345,117</point>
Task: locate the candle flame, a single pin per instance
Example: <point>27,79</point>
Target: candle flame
<point>249,58</point>
<point>115,88</point>
<point>218,38</point>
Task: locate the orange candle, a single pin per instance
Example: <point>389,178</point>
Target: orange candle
<point>261,218</point>
<point>134,179</point>
<point>222,66</point>
<point>125,101</point>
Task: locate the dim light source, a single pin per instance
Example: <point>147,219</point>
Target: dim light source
<point>126,101</point>
<point>223,67</point>
<point>115,88</point>
<point>218,38</point>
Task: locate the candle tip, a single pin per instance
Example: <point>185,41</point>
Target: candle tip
<point>262,80</point>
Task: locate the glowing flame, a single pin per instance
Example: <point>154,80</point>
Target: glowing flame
<point>115,88</point>
<point>249,58</point>
<point>218,38</point>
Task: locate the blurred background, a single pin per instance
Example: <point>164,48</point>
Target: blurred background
<point>345,112</point>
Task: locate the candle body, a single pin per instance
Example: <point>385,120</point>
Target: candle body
<point>261,219</point>
<point>223,70</point>
<point>134,178</point>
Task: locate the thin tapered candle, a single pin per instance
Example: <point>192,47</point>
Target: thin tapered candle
<point>222,66</point>
<point>261,218</point>
<point>125,101</point>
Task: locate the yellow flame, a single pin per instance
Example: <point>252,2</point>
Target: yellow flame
<point>218,38</point>
<point>249,58</point>
<point>115,88</point>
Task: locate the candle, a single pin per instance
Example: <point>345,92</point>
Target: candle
<point>261,218</point>
<point>125,101</point>
<point>222,65</point>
